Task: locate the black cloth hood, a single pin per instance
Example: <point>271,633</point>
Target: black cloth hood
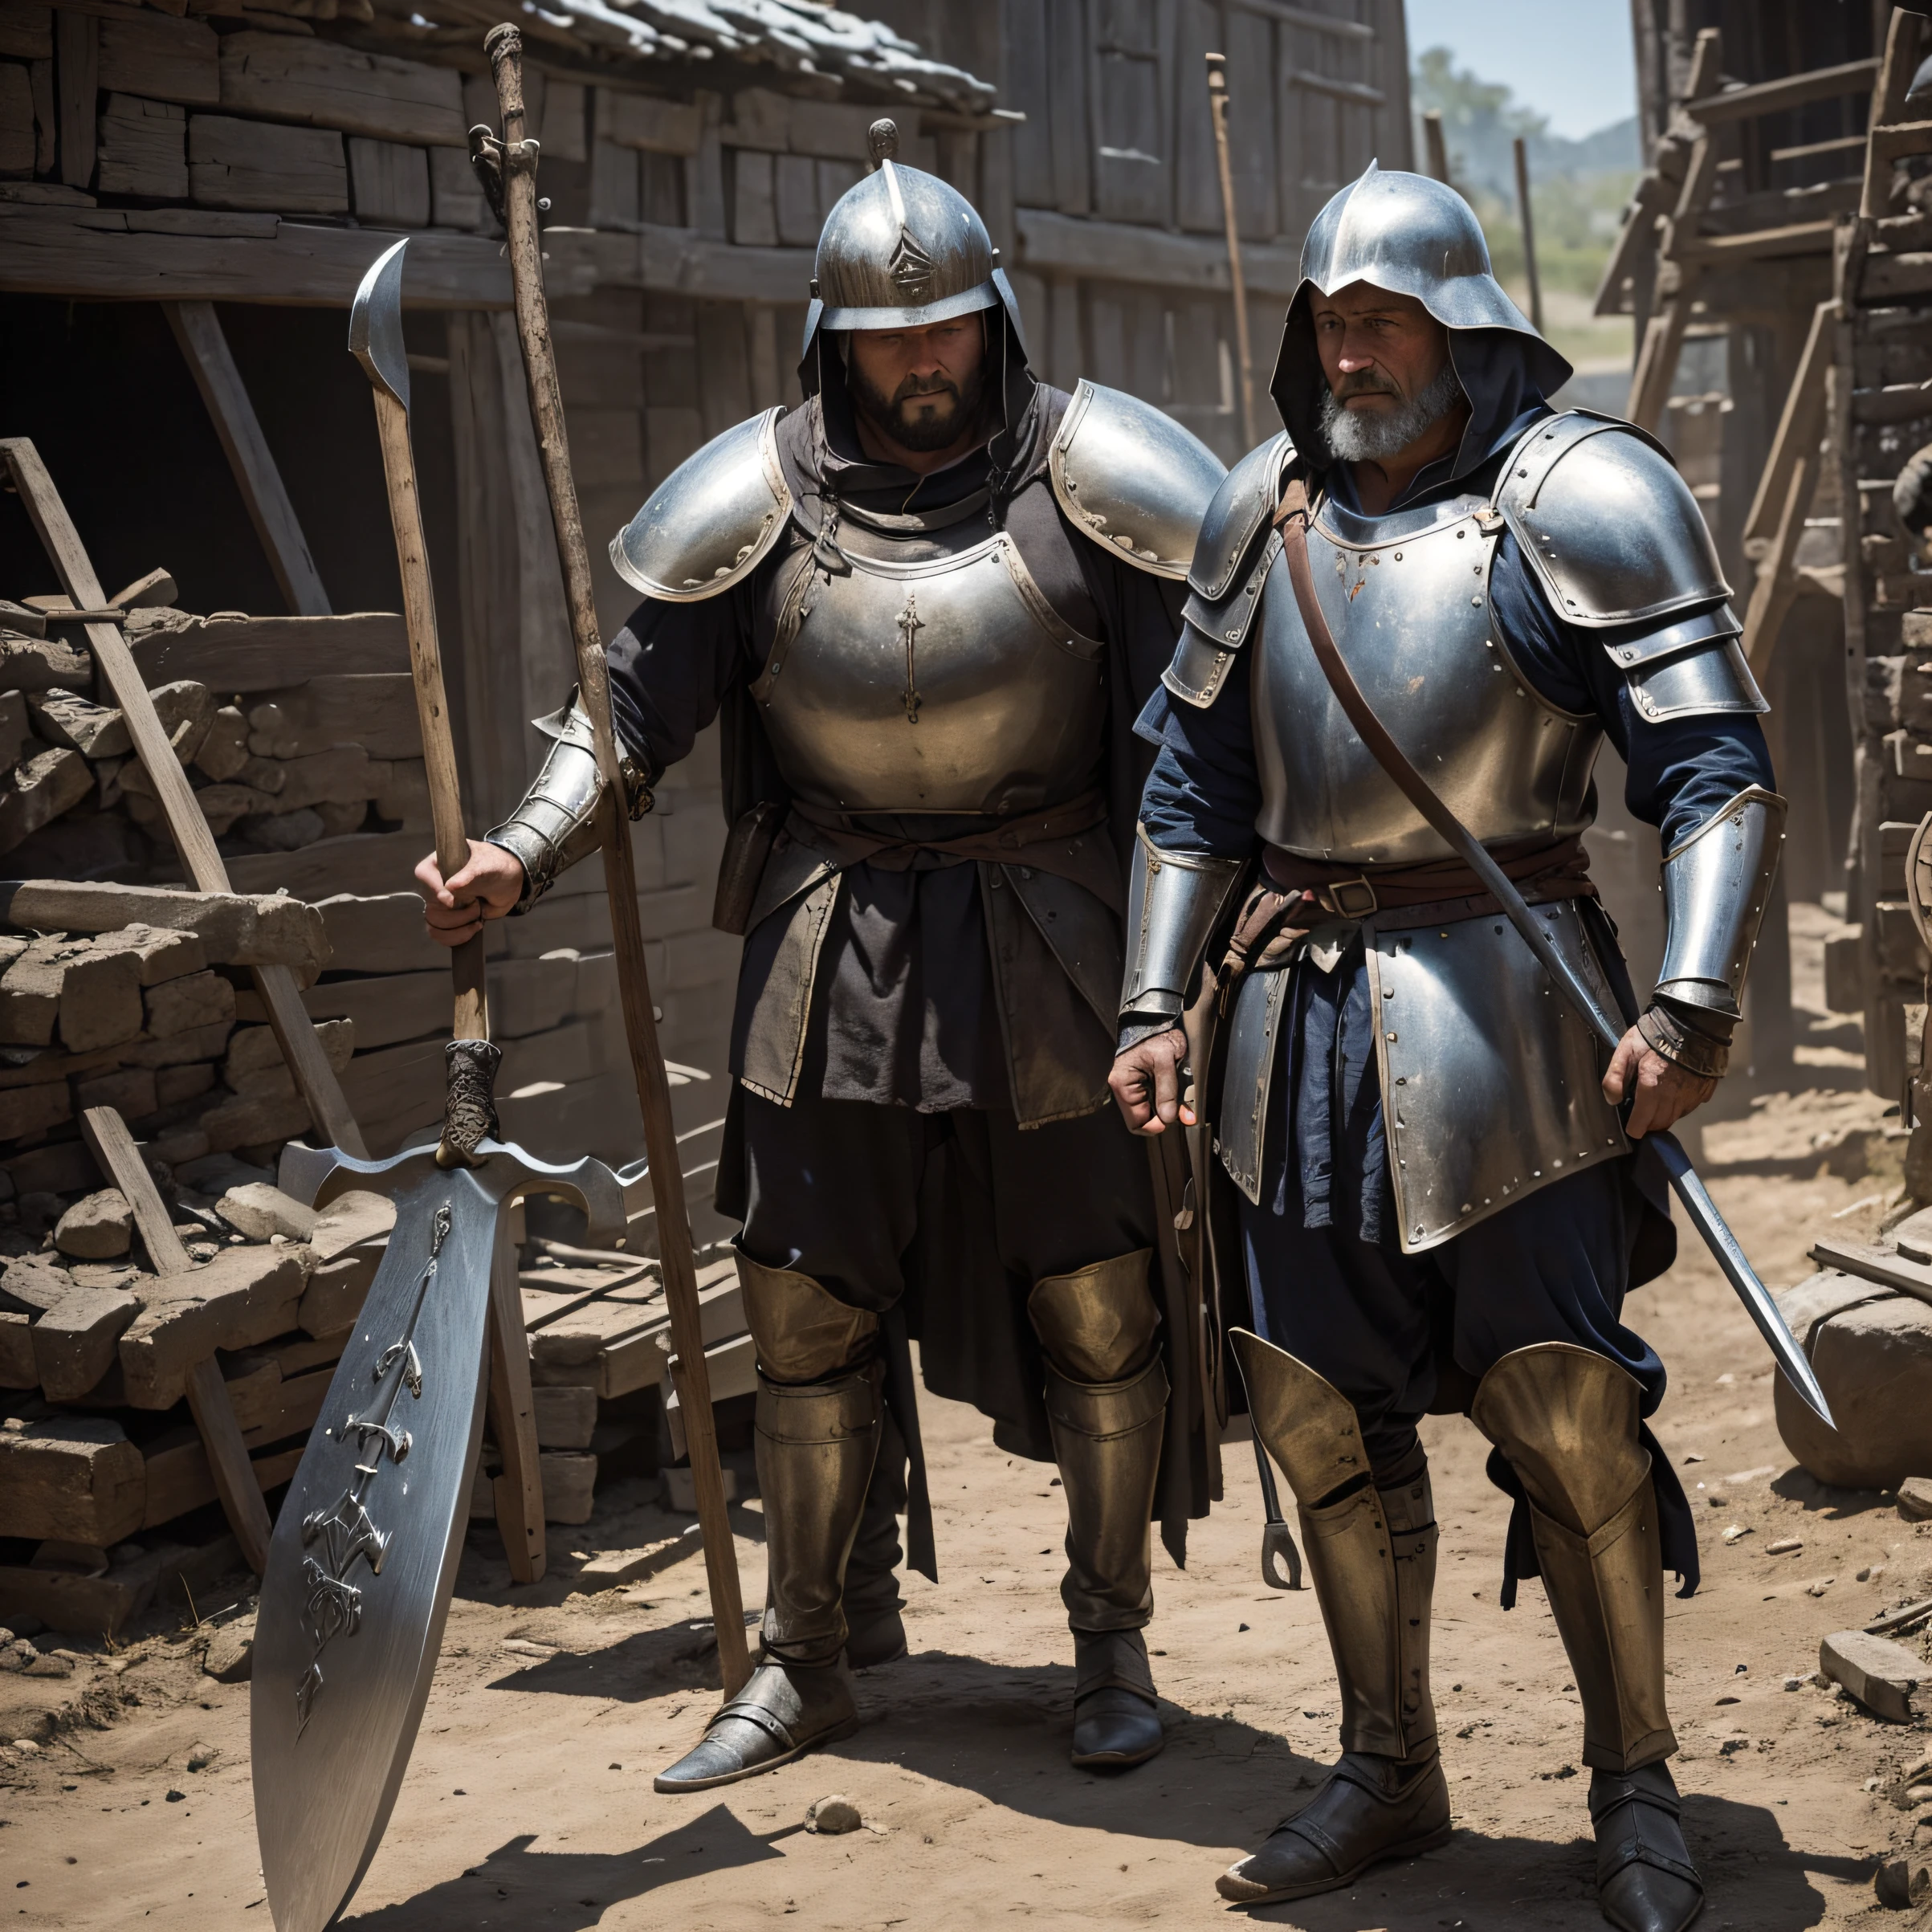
<point>820,448</point>
<point>1507,377</point>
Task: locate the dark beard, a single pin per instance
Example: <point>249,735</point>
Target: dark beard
<point>899,417</point>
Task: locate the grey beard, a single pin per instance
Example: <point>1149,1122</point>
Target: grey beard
<point>1373,435</point>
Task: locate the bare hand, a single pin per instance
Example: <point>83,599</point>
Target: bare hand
<point>1146,1083</point>
<point>487,888</point>
<point>1665,1092</point>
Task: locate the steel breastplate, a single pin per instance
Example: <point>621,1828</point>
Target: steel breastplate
<point>928,675</point>
<point>1407,596</point>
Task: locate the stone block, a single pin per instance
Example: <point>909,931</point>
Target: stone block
<point>247,1120</point>
<point>17,1369</point>
<point>236,929</point>
<point>335,1292</point>
<point>1873,1356</point>
<point>246,1296</point>
<point>350,1221</point>
<point>339,776</point>
<point>383,934</point>
<point>76,1478</point>
<point>75,1341</point>
<point>174,1085</point>
<point>201,999</point>
<point>27,1112</point>
<point>162,955</point>
<point>1882,1675</point>
<point>96,1228</point>
<point>565,1417</point>
<point>64,717</point>
<point>199,1043</point>
<point>258,1211</point>
<point>39,789</point>
<point>1915,1499</point>
<point>131,1092</point>
<point>569,1478</point>
<point>100,1002</point>
<point>31,664</point>
<point>30,992</point>
<point>224,747</point>
<point>186,709</point>
<point>255,1049</point>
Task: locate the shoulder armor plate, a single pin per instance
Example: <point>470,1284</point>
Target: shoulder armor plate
<point>1610,528</point>
<point>711,521</point>
<point>1236,518</point>
<point>1132,479</point>
<point>1687,667</point>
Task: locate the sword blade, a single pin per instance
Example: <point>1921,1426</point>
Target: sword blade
<point>1756,1298</point>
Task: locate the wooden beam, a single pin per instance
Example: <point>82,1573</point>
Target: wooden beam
<point>198,328</point>
<point>1800,423</point>
<point>77,76</point>
<point>1888,109</point>
<point>113,1146</point>
<point>518,1493</point>
<point>1789,91</point>
<point>1057,245</point>
<point>1795,237</point>
<point>234,1476</point>
<point>295,1032</point>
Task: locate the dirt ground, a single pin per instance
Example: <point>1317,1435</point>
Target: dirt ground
<point>528,1803</point>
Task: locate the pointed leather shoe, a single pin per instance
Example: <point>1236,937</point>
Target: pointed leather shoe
<point>784,1711</point>
<point>1114,1728</point>
<point>1645,1881</point>
<point>1369,1809</point>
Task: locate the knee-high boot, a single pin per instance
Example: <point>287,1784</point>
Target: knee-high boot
<point>818,1421</point>
<point>1372,1556</point>
<point>1566,1419</point>
<point>1106,1398</point>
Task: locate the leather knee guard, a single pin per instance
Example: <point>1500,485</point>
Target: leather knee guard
<point>1372,1552</point>
<point>1107,1398</point>
<point>801,1331</point>
<point>1566,1419</point>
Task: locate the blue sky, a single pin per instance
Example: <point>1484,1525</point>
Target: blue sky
<point>1572,60</point>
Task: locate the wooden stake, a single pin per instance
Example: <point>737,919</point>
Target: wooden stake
<point>228,1460</point>
<point>1528,222</point>
<point>294,1030</point>
<point>1217,109</point>
<point>1436,147</point>
<point>504,46</point>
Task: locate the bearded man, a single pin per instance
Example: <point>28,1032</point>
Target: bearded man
<point>1437,1204</point>
<point>928,606</point>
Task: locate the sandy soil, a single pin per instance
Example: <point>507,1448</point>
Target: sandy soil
<point>529,1803</point>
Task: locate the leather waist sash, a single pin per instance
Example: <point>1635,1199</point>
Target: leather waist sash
<point>1434,892</point>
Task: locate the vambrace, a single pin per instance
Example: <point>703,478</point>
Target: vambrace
<point>1173,902</point>
<point>1716,884</point>
<point>556,824</point>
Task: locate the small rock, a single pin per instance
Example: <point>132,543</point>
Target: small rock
<point>26,1746</point>
<point>1736,1532</point>
<point>200,1756</point>
<point>176,1797</point>
<point>258,1212</point>
<point>1794,1683</point>
<point>522,1646</point>
<point>50,1663</point>
<point>1818,1587</point>
<point>1731,1745</point>
<point>1881,1675</point>
<point>1918,1794</point>
<point>834,1813</point>
<point>1864,1575</point>
<point>96,1228</point>
<point>1915,1499</point>
<point>1784,1546</point>
<point>1716,1501</point>
<point>230,1653</point>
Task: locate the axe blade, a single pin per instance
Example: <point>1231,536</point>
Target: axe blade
<point>375,324</point>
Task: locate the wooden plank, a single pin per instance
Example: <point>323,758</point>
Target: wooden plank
<point>27,31</point>
<point>645,123</point>
<point>1794,237</point>
<point>1791,91</point>
<point>1894,76</point>
<point>314,1078</point>
<point>228,1461</point>
<point>252,654</point>
<point>389,183</point>
<point>1051,244</point>
<point>518,1493</point>
<point>255,164</point>
<point>16,144</point>
<point>1887,277</point>
<point>1800,424</point>
<point>143,148</point>
<point>77,44</point>
<point>198,329</point>
<point>161,59</point>
<point>107,1135</point>
<point>324,83</point>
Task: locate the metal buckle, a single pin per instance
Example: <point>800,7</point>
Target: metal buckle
<point>1333,897</point>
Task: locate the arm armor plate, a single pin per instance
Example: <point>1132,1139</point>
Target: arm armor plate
<point>1715,887</point>
<point>1173,902</point>
<point>1132,479</point>
<point>556,823</point>
<point>712,521</point>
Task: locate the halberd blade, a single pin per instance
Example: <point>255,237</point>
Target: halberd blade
<point>375,324</point>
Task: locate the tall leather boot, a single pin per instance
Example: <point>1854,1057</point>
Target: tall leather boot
<point>1566,1418</point>
<point>875,1627</point>
<point>1107,1401</point>
<point>818,1421</point>
<point>1371,1553</point>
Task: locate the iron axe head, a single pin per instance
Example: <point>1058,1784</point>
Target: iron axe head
<point>375,324</point>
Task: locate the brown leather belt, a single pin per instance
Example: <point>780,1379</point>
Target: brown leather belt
<point>1433,891</point>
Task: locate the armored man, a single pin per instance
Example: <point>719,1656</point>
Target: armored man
<point>928,606</point>
<point>1437,1195</point>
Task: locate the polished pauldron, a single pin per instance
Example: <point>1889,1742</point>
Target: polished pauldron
<point>1716,885</point>
<point>556,824</point>
<point>944,683</point>
<point>1174,900</point>
<point>1129,476</point>
<point>711,521</point>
